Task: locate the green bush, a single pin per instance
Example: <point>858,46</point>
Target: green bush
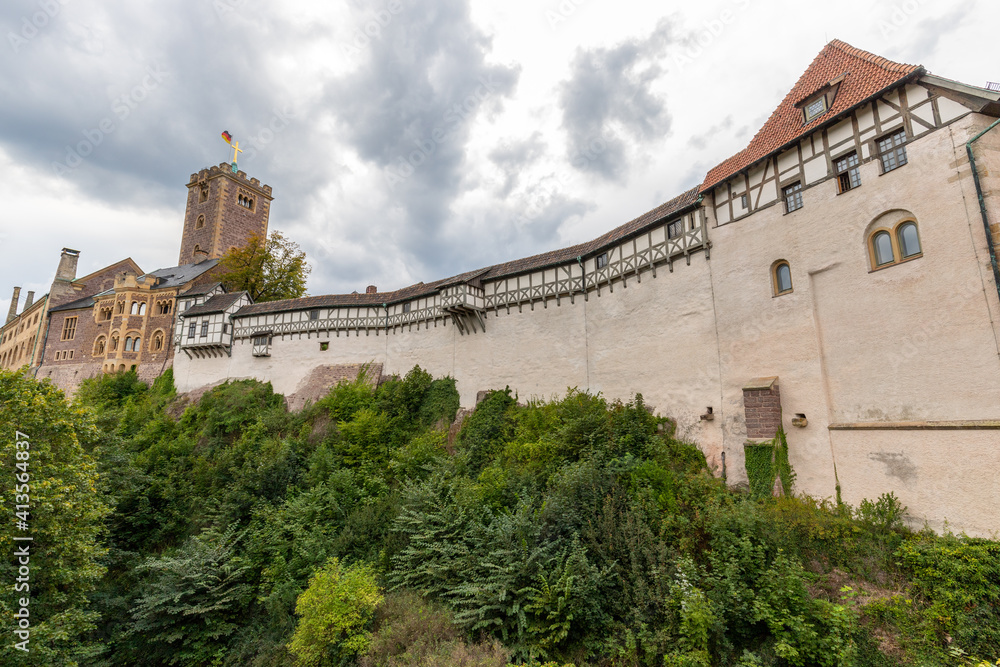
<point>335,615</point>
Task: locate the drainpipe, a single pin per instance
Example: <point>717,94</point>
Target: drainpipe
<point>982,205</point>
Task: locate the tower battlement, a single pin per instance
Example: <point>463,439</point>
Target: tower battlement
<point>223,211</point>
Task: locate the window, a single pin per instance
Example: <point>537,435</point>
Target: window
<point>314,314</point>
<point>105,314</point>
<point>204,329</point>
<point>134,310</point>
<point>99,346</point>
<point>142,309</point>
<point>163,307</point>
<point>245,201</point>
<point>128,344</point>
<point>602,260</point>
<point>815,108</point>
<point>882,245</point>
<point>69,329</point>
<point>848,176</point>
<point>909,242</point>
<point>225,328</point>
<point>121,307</point>
<point>192,329</point>
<point>324,346</point>
<point>892,151</point>
<point>792,195</point>
<point>781,278</point>
<point>136,343</point>
<point>743,201</point>
<point>114,343</point>
<point>200,223</point>
<point>203,195</point>
<point>674,229</point>
<point>261,345</point>
<point>892,246</point>
<point>406,307</point>
<point>71,353</point>
<point>157,342</point>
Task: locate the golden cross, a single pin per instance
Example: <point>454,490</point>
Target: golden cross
<point>236,149</point>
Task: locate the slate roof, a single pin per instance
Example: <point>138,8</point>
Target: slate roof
<point>198,290</point>
<point>217,304</point>
<point>85,302</point>
<point>867,76</point>
<point>535,262</point>
<point>175,276</point>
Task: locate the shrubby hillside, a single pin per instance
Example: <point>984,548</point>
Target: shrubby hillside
<point>360,531</point>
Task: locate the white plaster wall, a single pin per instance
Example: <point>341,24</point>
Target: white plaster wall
<point>945,478</point>
<point>916,341</point>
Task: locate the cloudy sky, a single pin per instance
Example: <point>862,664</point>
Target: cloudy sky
<point>404,140</point>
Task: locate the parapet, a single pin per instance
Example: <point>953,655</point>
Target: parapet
<point>225,169</point>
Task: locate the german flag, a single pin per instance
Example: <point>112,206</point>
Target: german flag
<point>228,137</point>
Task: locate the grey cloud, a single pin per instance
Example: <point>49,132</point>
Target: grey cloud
<point>700,141</point>
<point>514,156</point>
<point>607,107</point>
<point>408,111</point>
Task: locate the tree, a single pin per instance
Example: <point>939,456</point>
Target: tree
<point>269,269</point>
<point>335,615</point>
<point>50,520</point>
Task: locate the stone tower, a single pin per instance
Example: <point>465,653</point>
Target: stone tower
<point>223,211</point>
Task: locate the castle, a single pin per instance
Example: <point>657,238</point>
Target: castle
<point>838,278</point>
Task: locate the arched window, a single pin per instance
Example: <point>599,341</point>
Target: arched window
<point>894,243</point>
<point>781,277</point>
<point>142,309</point>
<point>909,242</point>
<point>121,307</point>
<point>135,344</point>
<point>114,342</point>
<point>128,344</point>
<point>157,343</point>
<point>99,346</point>
<point>882,246</point>
<point>135,308</point>
<point>200,223</point>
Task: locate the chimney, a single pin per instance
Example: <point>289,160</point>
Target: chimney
<point>12,313</point>
<point>30,300</point>
<point>67,265</point>
<point>371,289</point>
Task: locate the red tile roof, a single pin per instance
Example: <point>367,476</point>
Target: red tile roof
<point>867,75</point>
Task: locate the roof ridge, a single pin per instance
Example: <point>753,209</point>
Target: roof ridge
<point>875,59</point>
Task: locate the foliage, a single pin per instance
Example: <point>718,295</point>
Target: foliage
<point>335,613</point>
<point>767,461</point>
<point>577,531</point>
<point>269,268</point>
<point>761,472</point>
<point>54,476</point>
<point>190,601</point>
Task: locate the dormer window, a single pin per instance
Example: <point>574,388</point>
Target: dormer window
<point>816,107</point>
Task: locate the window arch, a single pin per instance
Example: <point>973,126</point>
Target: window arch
<point>135,308</point>
<point>893,238</point>
<point>100,346</point>
<point>157,343</point>
<point>114,342</point>
<point>121,307</point>
<point>142,308</point>
<point>200,223</point>
<point>128,344</point>
<point>781,277</point>
<point>136,342</point>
